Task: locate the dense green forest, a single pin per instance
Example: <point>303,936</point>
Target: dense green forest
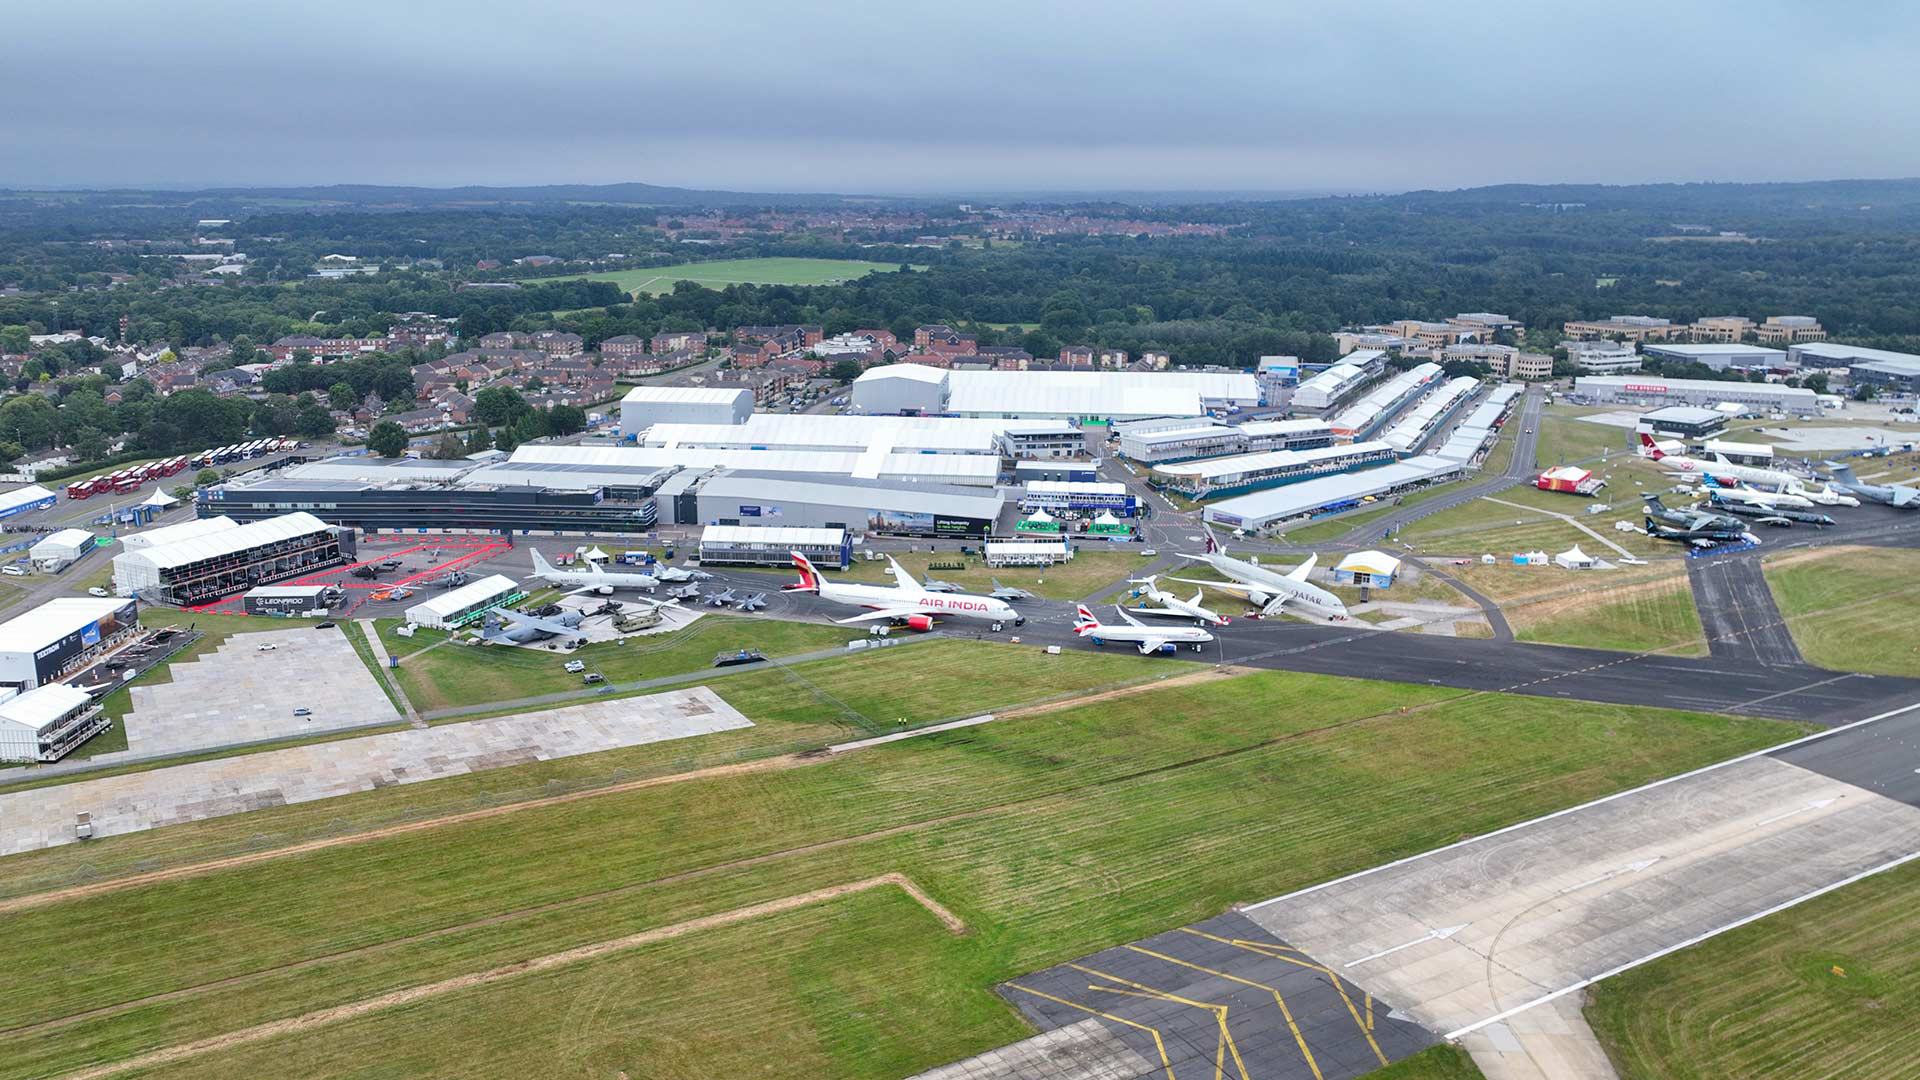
<point>1287,273</point>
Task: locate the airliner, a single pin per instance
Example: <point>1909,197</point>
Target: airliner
<point>1175,607</point>
<point>594,579</point>
<point>1272,593</point>
<point>907,603</point>
<point>1148,639</point>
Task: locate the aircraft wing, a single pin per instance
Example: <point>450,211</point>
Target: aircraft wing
<point>1903,496</point>
<point>1299,573</point>
<point>1275,606</point>
<point>900,575</point>
<point>900,611</point>
<point>522,619</point>
<point>1151,645</point>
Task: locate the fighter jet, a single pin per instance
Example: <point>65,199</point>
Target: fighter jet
<point>933,584</point>
<point>906,602</point>
<point>1008,592</point>
<point>518,629</point>
<point>1173,606</point>
<point>1696,527</point>
<point>1273,593</point>
<point>1148,639</point>
<point>689,591</point>
<point>594,579</point>
<point>1895,495</point>
<point>753,602</point>
<point>679,574</point>
<point>720,599</point>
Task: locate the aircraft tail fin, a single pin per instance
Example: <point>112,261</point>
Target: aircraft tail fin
<point>1842,472</point>
<point>809,577</point>
<point>1649,448</point>
<point>1083,620</point>
<point>540,563</point>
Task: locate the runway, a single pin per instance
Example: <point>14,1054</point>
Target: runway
<point>1718,683</point>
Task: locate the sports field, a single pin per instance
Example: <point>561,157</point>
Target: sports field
<point>721,273</point>
<point>1830,988</point>
<point>1851,608</point>
<point>843,916</point>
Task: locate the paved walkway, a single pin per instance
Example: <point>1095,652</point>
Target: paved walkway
<point>384,660</point>
<point>43,817</point>
<point>239,693</point>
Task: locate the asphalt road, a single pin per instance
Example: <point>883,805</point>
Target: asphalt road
<point>1737,611</point>
<point>1793,691</point>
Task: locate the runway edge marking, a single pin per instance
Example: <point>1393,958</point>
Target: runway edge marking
<point>1749,756</point>
<point>1678,945</point>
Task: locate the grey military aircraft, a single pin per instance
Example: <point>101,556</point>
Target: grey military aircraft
<point>753,602</point>
<point>721,599</point>
<point>1895,495</point>
<point>1697,527</point>
<point>1008,592</point>
<point>515,628</point>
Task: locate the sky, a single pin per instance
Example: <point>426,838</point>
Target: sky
<point>909,97</point>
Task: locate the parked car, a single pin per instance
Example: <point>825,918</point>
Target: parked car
<point>13,571</point>
<point>575,667</point>
<point>266,648</point>
<point>303,711</point>
<point>95,590</point>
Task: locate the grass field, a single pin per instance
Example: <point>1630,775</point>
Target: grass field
<point>791,710</point>
<point>1564,440</point>
<point>435,675</point>
<point>1851,609</point>
<point>1050,836</point>
<point>720,273</point>
<point>1830,988</point>
<point>1092,568</point>
<point>1637,614</point>
<point>1443,1062</point>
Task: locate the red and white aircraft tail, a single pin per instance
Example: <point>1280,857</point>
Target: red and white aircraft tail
<point>1650,448</point>
<point>809,577</point>
<point>1083,621</point>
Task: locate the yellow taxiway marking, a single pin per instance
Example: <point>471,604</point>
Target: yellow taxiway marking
<point>1298,1038</point>
<point>1262,948</point>
<point>1157,1042</point>
<point>1225,1045</point>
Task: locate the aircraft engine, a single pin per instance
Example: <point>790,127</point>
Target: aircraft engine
<point>919,622</point>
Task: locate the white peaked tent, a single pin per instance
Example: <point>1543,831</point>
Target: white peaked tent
<point>1574,559</point>
<point>1040,516</point>
<point>160,499</point>
<point>594,554</point>
<point>1106,518</point>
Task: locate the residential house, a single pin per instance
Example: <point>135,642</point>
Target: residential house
<point>502,339</point>
<point>1076,356</point>
<point>677,341</point>
<point>1113,359</point>
<point>559,343</point>
<point>622,346</point>
<point>1005,357</point>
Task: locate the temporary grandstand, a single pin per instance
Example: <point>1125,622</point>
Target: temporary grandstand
<point>1481,426</point>
<point>1365,418</point>
<point>1300,503</point>
<point>1329,388</point>
<point>1430,415</point>
<point>1214,477</point>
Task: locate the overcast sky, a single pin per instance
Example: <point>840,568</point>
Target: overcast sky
<point>901,96</point>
